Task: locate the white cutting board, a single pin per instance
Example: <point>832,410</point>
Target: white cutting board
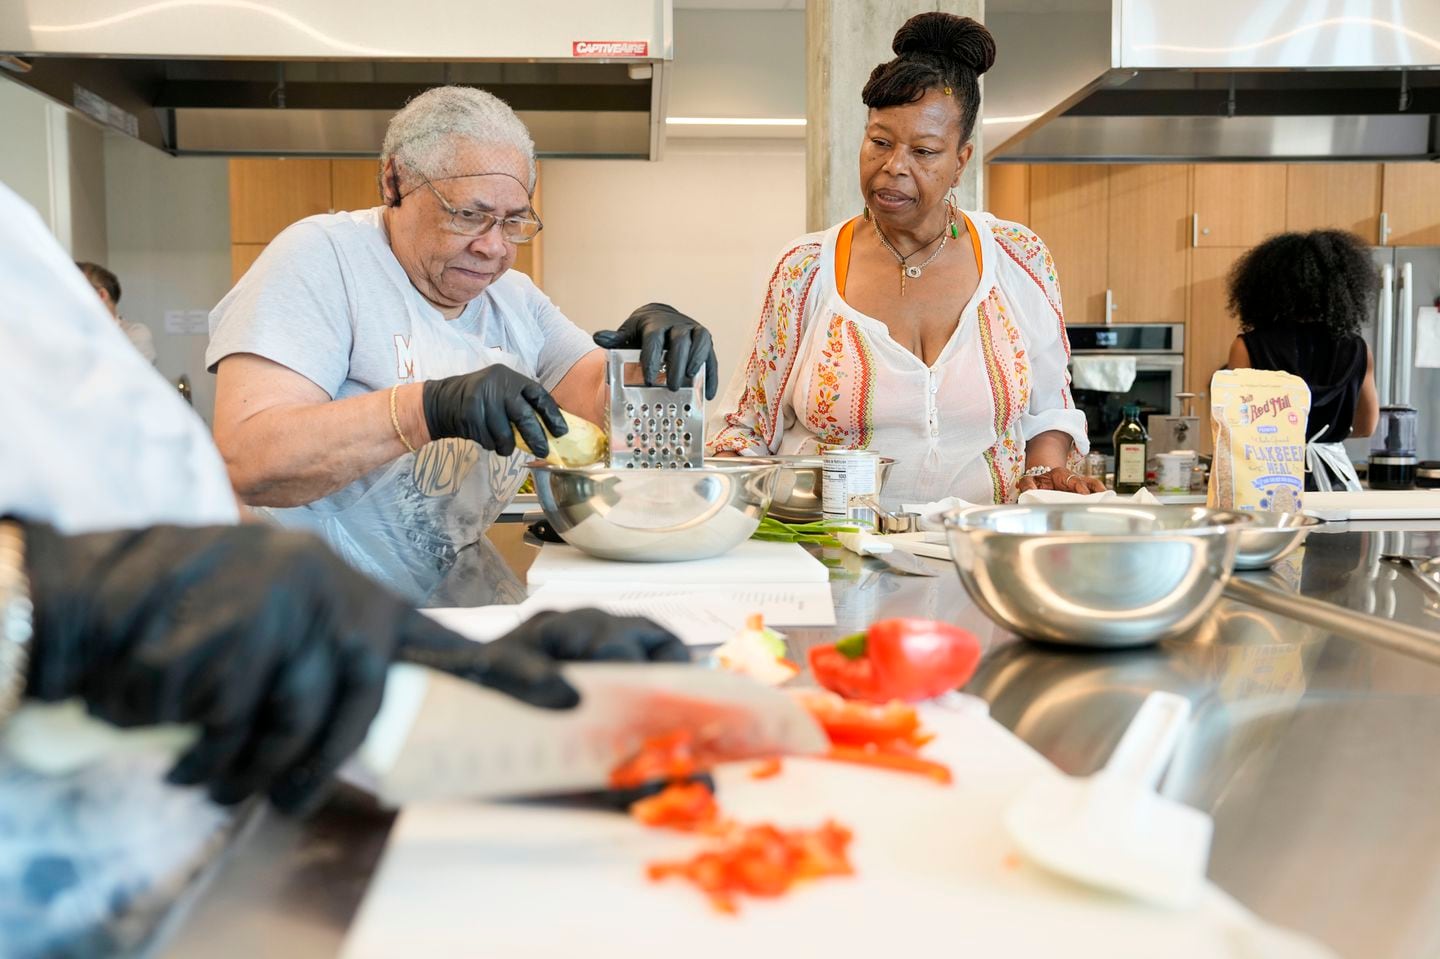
<point>752,561</point>
<point>1375,504</point>
<point>934,875</point>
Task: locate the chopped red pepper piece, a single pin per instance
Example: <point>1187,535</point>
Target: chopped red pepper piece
<point>899,762</point>
<point>857,723</point>
<point>665,758</point>
<point>767,769</point>
<point>684,806</point>
<point>762,860</point>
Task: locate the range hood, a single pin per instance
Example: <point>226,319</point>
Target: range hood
<point>322,77</point>
<point>1123,81</point>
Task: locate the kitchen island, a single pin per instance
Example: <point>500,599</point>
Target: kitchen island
<point>1314,754</point>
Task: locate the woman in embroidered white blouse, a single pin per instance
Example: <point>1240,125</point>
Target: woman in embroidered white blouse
<point>925,333</point>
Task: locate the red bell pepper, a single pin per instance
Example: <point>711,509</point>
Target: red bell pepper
<point>909,659</point>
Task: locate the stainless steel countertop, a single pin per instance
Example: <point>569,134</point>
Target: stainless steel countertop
<point>1315,755</point>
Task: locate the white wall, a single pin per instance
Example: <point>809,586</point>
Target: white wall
<point>54,159</point>
<point>699,230</point>
<point>738,63</point>
<point>169,233</point>
<point>25,160</point>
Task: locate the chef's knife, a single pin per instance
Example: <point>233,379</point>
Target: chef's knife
<point>438,737</point>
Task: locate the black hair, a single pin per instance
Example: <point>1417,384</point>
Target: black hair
<point>1324,278</point>
<point>935,51</point>
<point>101,279</point>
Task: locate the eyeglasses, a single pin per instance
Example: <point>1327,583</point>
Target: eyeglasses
<point>515,229</point>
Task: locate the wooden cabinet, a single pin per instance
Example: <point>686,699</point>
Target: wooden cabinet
<point>242,257</point>
<point>267,195</point>
<point>354,184</point>
<point>1149,242</point>
<point>1211,329</point>
<point>1007,191</point>
<point>1238,204</point>
<point>1411,203</point>
<point>1069,209</point>
<point>1334,196</point>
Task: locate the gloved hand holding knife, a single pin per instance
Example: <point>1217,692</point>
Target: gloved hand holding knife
<point>270,644</point>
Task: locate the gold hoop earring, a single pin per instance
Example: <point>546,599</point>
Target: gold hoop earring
<point>867,213</point>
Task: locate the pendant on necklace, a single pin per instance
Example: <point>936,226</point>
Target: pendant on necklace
<point>913,272</point>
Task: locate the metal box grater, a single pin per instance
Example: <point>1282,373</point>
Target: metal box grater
<point>650,426</point>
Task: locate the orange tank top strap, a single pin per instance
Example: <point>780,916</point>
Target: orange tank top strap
<point>842,255</point>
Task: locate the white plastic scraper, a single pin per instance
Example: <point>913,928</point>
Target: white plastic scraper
<point>1112,830</point>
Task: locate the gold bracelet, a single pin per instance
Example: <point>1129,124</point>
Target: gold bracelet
<point>395,418</point>
<point>16,620</point>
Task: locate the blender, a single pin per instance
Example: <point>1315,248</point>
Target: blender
<point>1392,453</point>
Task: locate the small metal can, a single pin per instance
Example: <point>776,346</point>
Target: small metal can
<point>847,473</point>
<point>1095,466</point>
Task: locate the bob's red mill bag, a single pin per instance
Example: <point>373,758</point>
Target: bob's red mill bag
<point>1258,421</point>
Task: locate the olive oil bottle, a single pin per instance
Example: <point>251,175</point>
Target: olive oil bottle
<point>1131,447</point>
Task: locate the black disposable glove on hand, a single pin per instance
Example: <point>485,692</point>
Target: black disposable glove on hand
<point>523,662</point>
<point>663,334</point>
<point>484,405</point>
<point>270,644</point>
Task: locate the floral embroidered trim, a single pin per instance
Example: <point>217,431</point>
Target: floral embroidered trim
<point>864,401</point>
<point>845,361</point>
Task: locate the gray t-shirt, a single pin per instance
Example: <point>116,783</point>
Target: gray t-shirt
<point>329,300</point>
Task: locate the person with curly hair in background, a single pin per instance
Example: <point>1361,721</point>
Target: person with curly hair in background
<point>926,333</point>
<point>1300,299</point>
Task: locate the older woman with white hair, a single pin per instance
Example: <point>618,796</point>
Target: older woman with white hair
<point>363,352</point>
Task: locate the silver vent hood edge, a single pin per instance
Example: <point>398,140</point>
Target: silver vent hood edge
<point>1096,81</point>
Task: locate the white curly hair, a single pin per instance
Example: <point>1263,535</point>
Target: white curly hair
<point>423,133</point>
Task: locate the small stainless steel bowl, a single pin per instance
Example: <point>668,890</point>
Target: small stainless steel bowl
<point>656,515</point>
<point>1270,537</point>
<point>799,492</point>
<point>1111,575</point>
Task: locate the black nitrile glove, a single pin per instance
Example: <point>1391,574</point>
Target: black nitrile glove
<point>658,330</point>
<point>484,405</point>
<point>523,661</point>
<point>268,642</point>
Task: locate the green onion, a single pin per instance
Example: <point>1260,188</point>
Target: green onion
<point>821,532</point>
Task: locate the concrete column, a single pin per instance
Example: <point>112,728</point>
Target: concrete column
<point>844,40</point>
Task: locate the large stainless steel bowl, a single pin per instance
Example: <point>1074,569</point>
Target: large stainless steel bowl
<point>799,492</point>
<point>1094,575</point>
<point>1270,537</point>
<point>656,515</point>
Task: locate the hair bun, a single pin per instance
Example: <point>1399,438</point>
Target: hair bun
<point>961,41</point>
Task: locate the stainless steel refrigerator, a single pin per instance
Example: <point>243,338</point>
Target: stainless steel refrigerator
<point>1409,279</point>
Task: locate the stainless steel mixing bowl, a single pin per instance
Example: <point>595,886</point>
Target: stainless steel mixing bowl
<point>1270,537</point>
<point>1109,575</point>
<point>799,492</point>
<point>656,515</point>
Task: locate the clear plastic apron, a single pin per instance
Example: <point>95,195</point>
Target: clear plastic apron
<point>409,526</point>
<point>1334,456</point>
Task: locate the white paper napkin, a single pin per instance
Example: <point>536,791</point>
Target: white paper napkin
<point>932,514</point>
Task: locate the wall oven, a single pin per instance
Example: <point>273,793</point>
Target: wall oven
<point>1158,350</point>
